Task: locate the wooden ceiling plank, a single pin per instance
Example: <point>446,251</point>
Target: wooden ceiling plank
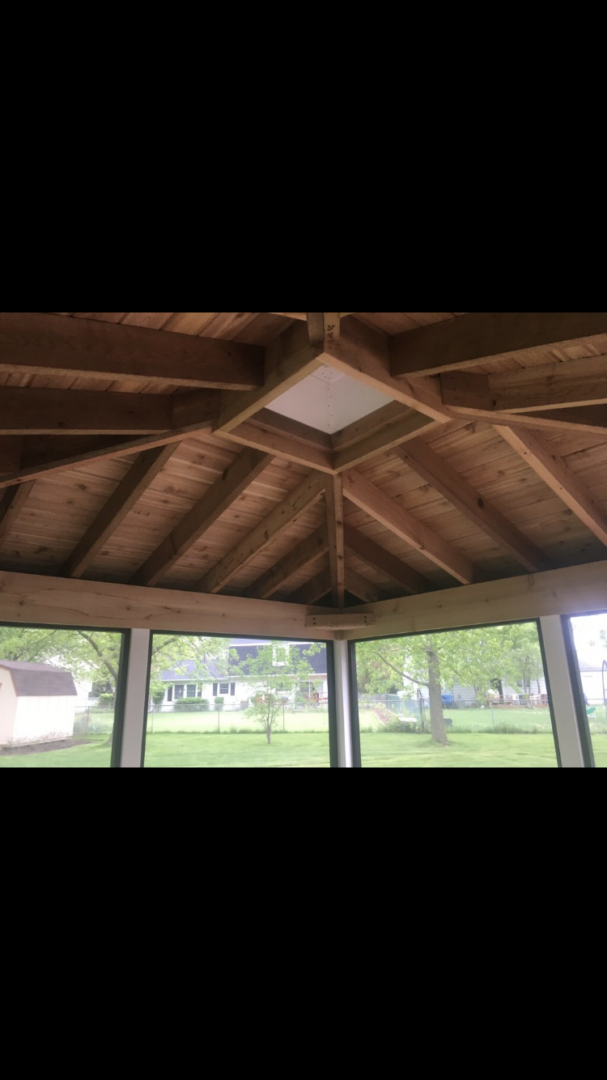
<point>39,344</point>
<point>434,470</point>
<point>295,561</point>
<point>363,589</point>
<point>221,495</point>
<point>380,506</point>
<point>559,477</point>
<point>480,336</point>
<point>591,419</point>
<point>138,479</point>
<point>313,590</point>
<point>11,506</point>
<point>289,510</point>
<point>384,561</point>
<point>334,489</point>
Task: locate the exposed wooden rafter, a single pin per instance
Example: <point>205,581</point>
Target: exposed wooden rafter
<point>314,589</point>
<point>138,479</point>
<point>334,487</point>
<point>289,510</point>
<point>221,495</point>
<point>308,551</point>
<point>480,336</point>
<point>552,386</point>
<point>553,471</point>
<point>456,489</point>
<point>39,344</point>
<point>11,507</point>
<point>382,508</point>
<point>384,561</point>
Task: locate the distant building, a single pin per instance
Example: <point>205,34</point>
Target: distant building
<point>37,703</point>
<point>594,683</point>
<point>213,679</point>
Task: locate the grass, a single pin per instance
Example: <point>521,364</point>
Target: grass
<point>379,750</point>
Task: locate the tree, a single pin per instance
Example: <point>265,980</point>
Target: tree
<point>473,657</point>
<point>95,654</point>
<point>275,673</point>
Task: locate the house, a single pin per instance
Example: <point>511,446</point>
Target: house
<point>37,703</point>
<point>211,679</point>
<point>594,680</point>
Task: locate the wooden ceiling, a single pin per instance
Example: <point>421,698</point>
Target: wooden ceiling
<point>140,448</point>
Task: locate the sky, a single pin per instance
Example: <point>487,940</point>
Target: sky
<point>587,630</point>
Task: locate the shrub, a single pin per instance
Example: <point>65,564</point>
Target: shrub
<point>191,705</point>
<point>218,704</point>
<point>107,701</point>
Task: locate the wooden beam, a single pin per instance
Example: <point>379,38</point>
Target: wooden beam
<point>293,563</point>
<point>35,600</point>
<point>362,353</point>
<point>341,621</point>
<point>592,419</point>
<point>334,488</point>
<point>11,506</point>
<point>435,471</point>
<point>252,433</point>
<point>391,436</point>
<point>473,339</point>
<point>558,476</point>
<point>293,429</point>
<point>313,590</point>
<point>288,360</point>
<point>36,465</point>
<point>26,411</point>
<point>11,447</point>
<point>289,510</point>
<point>220,496</point>
<point>382,508</point>
<point>365,590</point>
<point>323,327</point>
<point>138,479</point>
<point>384,561</point>
<point>577,383</point>
<point>574,590</point>
<point>39,344</point>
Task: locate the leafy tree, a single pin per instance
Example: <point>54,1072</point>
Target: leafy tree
<point>95,655</point>
<point>474,657</point>
<point>276,673</point>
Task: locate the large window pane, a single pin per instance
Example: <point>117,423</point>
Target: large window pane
<point>237,703</point>
<point>590,638</point>
<point>57,697</point>
<point>458,699</point>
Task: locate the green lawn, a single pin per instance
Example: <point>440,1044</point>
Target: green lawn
<point>381,750</point>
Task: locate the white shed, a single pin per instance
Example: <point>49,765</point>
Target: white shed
<point>37,703</point>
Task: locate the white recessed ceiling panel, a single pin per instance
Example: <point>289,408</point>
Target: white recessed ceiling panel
<point>329,401</point>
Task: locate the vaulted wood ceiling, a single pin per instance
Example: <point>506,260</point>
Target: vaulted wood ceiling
<point>141,447</point>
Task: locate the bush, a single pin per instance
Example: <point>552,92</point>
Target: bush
<point>107,701</point>
<point>192,705</point>
<point>218,704</point>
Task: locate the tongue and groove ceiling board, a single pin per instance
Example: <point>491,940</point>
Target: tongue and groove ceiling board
<point>179,449</point>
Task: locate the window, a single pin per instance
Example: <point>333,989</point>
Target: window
<point>269,717</point>
<point>59,690</point>
<point>191,692</point>
<point>170,693</point>
<point>457,699</point>
<point>590,641</point>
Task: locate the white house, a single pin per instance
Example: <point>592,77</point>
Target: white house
<point>187,681</point>
<point>37,703</point>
